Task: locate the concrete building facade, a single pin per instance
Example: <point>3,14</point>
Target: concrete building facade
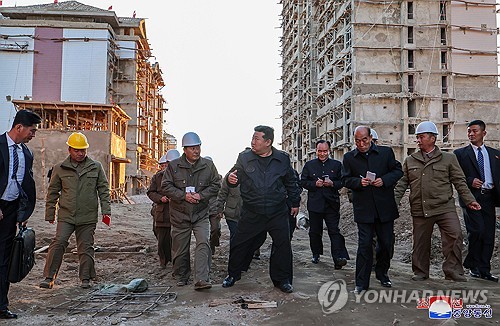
<point>388,65</point>
<point>68,59</point>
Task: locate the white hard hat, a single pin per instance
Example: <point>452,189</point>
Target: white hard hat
<point>163,159</point>
<point>172,154</point>
<point>190,139</point>
<point>373,133</point>
<point>426,126</point>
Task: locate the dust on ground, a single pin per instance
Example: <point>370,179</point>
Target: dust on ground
<point>127,250</point>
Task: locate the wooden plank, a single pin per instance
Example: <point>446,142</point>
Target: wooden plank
<point>42,249</point>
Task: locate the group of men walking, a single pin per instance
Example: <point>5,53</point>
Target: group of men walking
<point>262,192</point>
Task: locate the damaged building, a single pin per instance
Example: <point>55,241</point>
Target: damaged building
<point>83,68</point>
<point>389,65</point>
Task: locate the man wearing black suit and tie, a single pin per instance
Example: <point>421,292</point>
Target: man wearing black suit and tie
<point>481,166</point>
<point>16,185</point>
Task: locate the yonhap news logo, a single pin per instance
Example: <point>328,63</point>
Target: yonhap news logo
<point>332,296</point>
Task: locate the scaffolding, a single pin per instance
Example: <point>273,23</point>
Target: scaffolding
<point>385,64</point>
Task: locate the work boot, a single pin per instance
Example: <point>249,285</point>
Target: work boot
<point>48,283</point>
<point>85,284</point>
<point>200,285</point>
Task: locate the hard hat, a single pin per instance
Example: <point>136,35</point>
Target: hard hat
<point>172,154</point>
<point>163,159</point>
<point>373,133</point>
<point>208,158</point>
<point>426,126</point>
<point>77,140</point>
<point>190,139</point>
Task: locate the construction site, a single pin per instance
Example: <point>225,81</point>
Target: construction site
<point>82,68</point>
<point>388,65</point>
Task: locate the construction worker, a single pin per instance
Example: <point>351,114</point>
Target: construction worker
<point>161,210</point>
<point>190,181</point>
<point>429,174</point>
<point>76,187</point>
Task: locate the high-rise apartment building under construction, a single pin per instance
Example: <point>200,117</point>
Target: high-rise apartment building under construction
<point>389,65</point>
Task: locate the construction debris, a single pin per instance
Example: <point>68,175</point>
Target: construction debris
<point>127,305</point>
<point>245,303</point>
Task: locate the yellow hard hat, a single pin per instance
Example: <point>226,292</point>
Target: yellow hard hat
<point>77,140</point>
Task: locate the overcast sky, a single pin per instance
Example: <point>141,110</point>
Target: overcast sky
<point>221,65</point>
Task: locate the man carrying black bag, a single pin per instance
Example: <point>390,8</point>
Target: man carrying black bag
<point>17,189</point>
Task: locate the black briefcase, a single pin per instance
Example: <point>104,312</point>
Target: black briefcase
<point>22,257</point>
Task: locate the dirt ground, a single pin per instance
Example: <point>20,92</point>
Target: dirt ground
<point>127,250</point>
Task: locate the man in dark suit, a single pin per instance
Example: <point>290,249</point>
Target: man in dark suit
<point>481,166</point>
<point>321,178</point>
<point>17,190</point>
<point>372,171</point>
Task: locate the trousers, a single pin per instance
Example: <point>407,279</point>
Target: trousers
<point>451,239</point>
<point>85,249</point>
<point>181,241</point>
<point>251,233</point>
<point>164,239</point>
<point>7,235</point>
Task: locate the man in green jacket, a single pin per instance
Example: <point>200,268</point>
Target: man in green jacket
<point>430,174</point>
<point>76,186</point>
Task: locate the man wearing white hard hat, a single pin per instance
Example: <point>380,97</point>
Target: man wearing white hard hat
<point>190,181</point>
<point>161,210</point>
<point>429,173</point>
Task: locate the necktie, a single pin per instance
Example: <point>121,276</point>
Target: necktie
<point>15,165</point>
<point>480,162</point>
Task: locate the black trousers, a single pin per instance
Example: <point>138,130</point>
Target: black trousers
<point>251,233</point>
<point>480,227</point>
<point>364,257</point>
<point>337,240</point>
<point>7,233</point>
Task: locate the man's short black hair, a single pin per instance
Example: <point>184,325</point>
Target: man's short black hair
<point>322,141</point>
<point>479,123</point>
<point>26,118</point>
<point>268,132</point>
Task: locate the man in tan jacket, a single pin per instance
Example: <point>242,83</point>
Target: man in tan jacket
<point>430,173</point>
<point>77,185</point>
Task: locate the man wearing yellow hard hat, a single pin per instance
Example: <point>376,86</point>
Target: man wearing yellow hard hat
<point>76,186</point>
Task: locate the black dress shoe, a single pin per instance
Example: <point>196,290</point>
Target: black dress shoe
<point>359,289</point>
<point>340,262</point>
<point>474,273</point>
<point>229,281</point>
<point>385,281</point>
<point>7,314</point>
<point>286,287</point>
<point>315,259</point>
<point>489,277</point>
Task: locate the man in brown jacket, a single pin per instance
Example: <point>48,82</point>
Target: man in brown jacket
<point>430,173</point>
<point>161,211</point>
